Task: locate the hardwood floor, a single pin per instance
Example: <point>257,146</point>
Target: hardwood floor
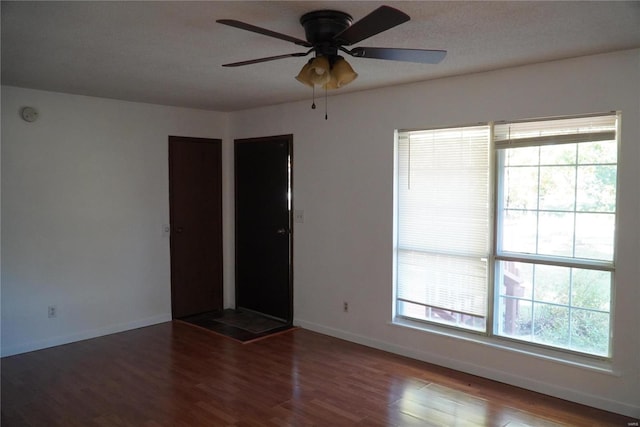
<point>174,374</point>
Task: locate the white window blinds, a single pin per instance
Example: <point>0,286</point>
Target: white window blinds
<point>556,131</point>
<point>443,219</point>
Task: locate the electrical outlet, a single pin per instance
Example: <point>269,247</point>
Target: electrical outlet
<point>52,311</point>
<point>345,307</point>
<point>298,216</point>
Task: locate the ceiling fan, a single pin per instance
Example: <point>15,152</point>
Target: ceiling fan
<point>327,32</point>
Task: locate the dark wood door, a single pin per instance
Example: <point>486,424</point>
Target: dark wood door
<point>263,238</point>
<point>195,195</point>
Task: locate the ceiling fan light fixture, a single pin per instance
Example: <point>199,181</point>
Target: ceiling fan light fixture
<point>341,74</point>
<point>330,73</point>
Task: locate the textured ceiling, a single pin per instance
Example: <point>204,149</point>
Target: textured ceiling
<point>171,52</point>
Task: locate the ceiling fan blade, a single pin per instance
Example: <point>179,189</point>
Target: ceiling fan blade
<point>268,58</point>
<point>422,56</point>
<point>263,31</point>
<point>381,19</point>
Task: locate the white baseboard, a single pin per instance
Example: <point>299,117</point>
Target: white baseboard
<point>84,335</point>
<point>599,402</point>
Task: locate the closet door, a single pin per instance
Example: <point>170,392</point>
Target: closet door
<point>195,200</point>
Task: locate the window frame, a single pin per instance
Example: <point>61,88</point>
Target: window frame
<point>491,335</point>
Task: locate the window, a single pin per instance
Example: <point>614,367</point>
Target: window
<point>443,226</point>
<point>550,254</point>
<point>556,212</point>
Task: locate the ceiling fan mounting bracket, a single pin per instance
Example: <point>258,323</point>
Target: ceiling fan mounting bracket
<point>321,26</point>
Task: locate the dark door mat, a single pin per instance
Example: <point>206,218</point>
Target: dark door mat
<point>239,325</point>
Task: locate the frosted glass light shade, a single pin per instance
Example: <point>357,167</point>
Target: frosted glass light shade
<point>319,70</point>
<point>315,72</point>
<point>341,74</point>
<point>303,75</point>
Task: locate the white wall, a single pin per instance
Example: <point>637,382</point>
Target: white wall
<point>84,199</point>
<point>343,175</point>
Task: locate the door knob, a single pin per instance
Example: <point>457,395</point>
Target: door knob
<point>179,230</point>
<point>282,231</point>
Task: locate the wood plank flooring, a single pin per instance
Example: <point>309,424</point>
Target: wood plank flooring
<point>175,374</point>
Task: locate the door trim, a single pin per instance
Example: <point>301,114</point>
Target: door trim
<point>288,138</point>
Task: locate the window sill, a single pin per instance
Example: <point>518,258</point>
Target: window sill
<point>556,356</point>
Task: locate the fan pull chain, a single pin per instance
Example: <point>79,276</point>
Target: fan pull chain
<point>325,103</point>
<point>313,103</point>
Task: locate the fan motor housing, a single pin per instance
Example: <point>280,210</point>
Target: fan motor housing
<point>321,26</point>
